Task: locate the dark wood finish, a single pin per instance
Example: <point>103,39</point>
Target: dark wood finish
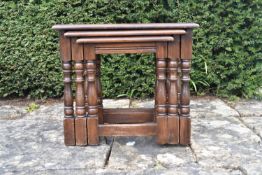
<point>142,129</point>
<point>160,94</point>
<point>69,121</point>
<point>80,100</point>
<point>173,118</point>
<point>124,33</point>
<point>81,131</point>
<point>99,91</point>
<point>125,26</point>
<point>68,97</point>
<point>65,47</point>
<point>69,131</point>
<point>179,84</point>
<point>93,137</point>
<point>69,136</point>
<point>85,85</point>
<point>126,39</point>
<point>91,69</point>
<point>129,115</point>
<point>186,55</point>
<point>169,120</point>
<point>124,45</point>
<point>113,48</point>
<point>186,45</point>
<point>123,51</point>
<point>179,74</point>
<point>185,130</point>
<point>80,121</point>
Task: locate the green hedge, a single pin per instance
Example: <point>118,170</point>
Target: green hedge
<point>227,46</point>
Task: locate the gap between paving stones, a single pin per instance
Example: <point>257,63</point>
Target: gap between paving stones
<point>85,171</point>
<point>239,117</point>
<point>232,168</point>
<point>227,167</point>
<point>239,168</point>
<point>193,152</point>
<point>195,156</point>
<point>108,154</point>
<point>252,129</point>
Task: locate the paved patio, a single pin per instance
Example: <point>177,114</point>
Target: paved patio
<point>226,139</point>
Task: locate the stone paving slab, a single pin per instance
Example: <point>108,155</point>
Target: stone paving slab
<point>29,146</point>
<point>254,123</point>
<point>249,108</point>
<point>11,112</point>
<point>220,139</point>
<point>148,103</point>
<point>226,143</point>
<point>221,144</point>
<point>225,140</point>
<point>211,107</point>
<point>143,153</point>
<point>120,103</point>
<point>47,112</point>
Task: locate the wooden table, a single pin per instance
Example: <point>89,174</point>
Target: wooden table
<point>86,119</point>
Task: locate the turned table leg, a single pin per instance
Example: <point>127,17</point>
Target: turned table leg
<point>85,86</point>
<point>92,93</point>
<point>80,120</point>
<point>99,90</point>
<point>172,77</point>
<point>69,121</point>
<point>186,55</point>
<point>160,94</point>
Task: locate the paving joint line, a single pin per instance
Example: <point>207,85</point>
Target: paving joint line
<point>46,170</point>
<point>239,117</point>
<point>108,154</point>
<point>239,168</point>
<point>195,157</point>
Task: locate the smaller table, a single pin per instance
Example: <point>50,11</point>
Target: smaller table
<point>86,119</point>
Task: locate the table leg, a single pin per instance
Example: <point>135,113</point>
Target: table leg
<point>69,120</point>
<point>186,55</point>
<point>99,91</point>
<point>160,94</point>
<point>92,121</point>
<point>80,120</point>
<point>173,117</point>
<point>85,87</point>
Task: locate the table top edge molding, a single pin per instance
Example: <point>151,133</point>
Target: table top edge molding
<point>125,39</point>
<point>124,26</point>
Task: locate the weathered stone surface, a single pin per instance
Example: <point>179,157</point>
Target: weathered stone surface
<point>146,157</point>
<point>200,107</point>
<point>221,144</point>
<point>221,140</point>
<point>196,169</point>
<point>53,111</point>
<point>249,108</point>
<point>32,143</point>
<point>145,153</point>
<point>8,112</point>
<point>211,107</point>
<point>149,103</point>
<point>254,123</point>
<point>37,146</point>
<point>120,103</point>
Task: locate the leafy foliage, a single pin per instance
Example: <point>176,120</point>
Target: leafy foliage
<point>227,46</point>
<point>32,107</point>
